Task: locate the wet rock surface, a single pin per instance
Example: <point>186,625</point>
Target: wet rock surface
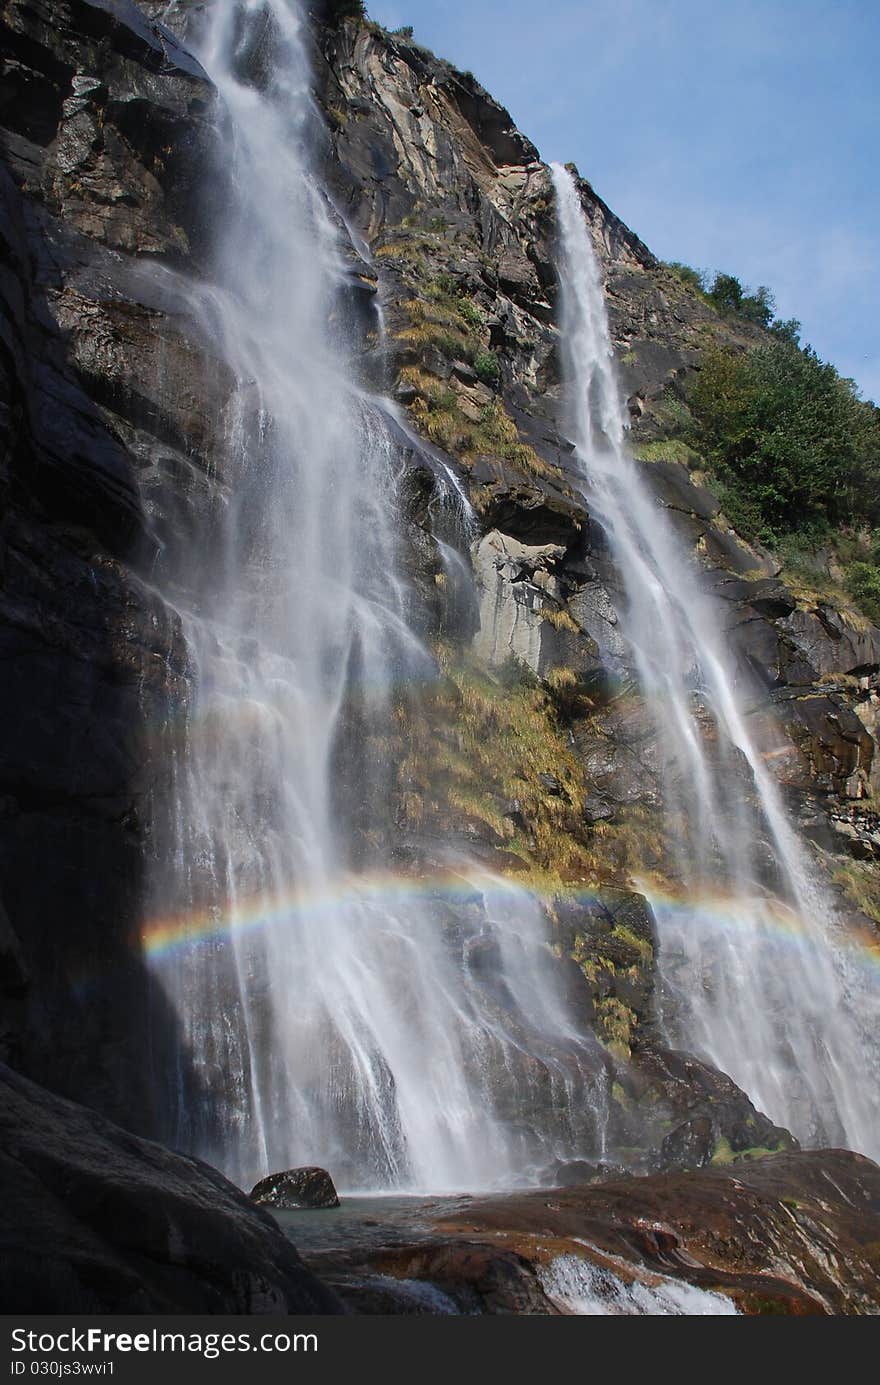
<point>306,1187</point>
<point>96,1220</point>
<point>104,139</point>
<point>790,1234</point>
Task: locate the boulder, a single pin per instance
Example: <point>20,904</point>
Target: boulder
<point>296,1189</point>
<point>686,1114</point>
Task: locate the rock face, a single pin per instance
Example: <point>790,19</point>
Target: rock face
<point>788,1234</point>
<point>458,213</point>
<point>96,1220</point>
<point>296,1188</point>
<point>102,128</point>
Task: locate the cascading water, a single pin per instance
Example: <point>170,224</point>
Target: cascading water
<point>332,1012</point>
<point>765,985</point>
<point>580,1287</point>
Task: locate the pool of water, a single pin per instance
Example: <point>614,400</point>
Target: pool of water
<point>366,1222</point>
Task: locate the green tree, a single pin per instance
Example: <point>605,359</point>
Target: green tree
<point>694,278</point>
<point>789,330</point>
<point>788,437</point>
<point>726,293</point>
<point>758,306</point>
<point>729,296</point>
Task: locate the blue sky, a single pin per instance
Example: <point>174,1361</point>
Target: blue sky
<point>732,134</point>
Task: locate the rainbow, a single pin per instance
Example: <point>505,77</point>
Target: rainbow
<point>167,938</point>
<point>161,937</point>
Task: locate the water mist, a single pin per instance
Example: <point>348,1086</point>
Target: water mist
<point>334,1010</point>
<point>763,983</point>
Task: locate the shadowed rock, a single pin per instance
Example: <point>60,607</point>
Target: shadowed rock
<point>96,1220</point>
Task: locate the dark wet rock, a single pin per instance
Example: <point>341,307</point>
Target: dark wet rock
<point>836,751</point>
<point>370,1293</point>
<point>96,1220</point>
<point>572,1173</point>
<point>296,1188</point>
<point>13,968</point>
<point>611,936</point>
<point>535,510</point>
<point>672,1111</point>
<point>106,120</point>
<point>690,1145</point>
<point>465,1275</point>
<point>105,130</point>
<point>832,642</point>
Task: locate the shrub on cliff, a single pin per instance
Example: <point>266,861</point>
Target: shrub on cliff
<point>726,293</point>
<point>487,369</point>
<point>863,584</point>
<point>729,296</point>
<point>788,438</point>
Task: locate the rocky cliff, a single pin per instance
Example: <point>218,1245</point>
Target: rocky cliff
<point>533,746</point>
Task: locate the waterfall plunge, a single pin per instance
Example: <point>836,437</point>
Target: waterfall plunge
<point>787,1012</point>
<point>332,1012</point>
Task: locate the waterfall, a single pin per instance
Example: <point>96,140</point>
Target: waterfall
<point>399,1025</point>
<point>759,978</point>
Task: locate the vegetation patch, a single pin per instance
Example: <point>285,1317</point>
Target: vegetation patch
<point>860,883</point>
<point>437,411</point>
<point>438,324</point>
<point>724,1153</point>
<point>788,438</point>
<point>487,747</point>
<point>487,368</point>
<point>616,1026</point>
<point>668,450</point>
<point>641,945</point>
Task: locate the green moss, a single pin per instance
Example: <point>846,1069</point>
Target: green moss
<point>667,450</point>
<point>724,1153</point>
<point>616,1024</point>
<point>436,411</point>
<point>484,746</point>
<point>860,883</point>
<point>641,945</point>
<point>619,1095</point>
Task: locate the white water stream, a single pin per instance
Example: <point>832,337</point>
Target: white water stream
<point>765,986</point>
<point>587,1290</point>
<point>334,1009</point>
